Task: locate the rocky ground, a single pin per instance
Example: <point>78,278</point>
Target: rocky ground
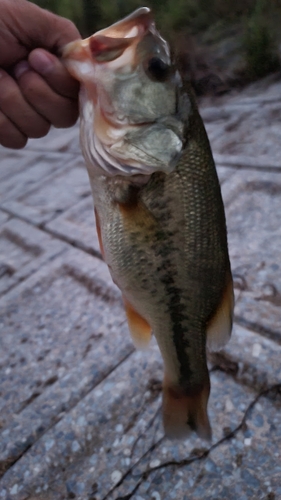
<point>79,407</point>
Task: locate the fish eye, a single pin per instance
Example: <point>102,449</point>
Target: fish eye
<point>157,69</point>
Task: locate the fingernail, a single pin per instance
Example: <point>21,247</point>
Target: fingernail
<point>41,62</point>
<point>21,68</point>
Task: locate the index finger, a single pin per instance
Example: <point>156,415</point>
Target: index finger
<point>53,71</point>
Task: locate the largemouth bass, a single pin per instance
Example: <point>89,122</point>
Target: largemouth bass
<point>159,211</point>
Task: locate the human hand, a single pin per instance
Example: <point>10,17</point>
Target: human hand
<point>36,91</point>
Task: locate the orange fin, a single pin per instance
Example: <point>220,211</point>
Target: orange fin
<point>184,413</point>
<point>220,325</point>
<point>135,213</point>
<point>138,326</point>
<point>99,232</point>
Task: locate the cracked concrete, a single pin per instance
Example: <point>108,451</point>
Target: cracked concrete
<point>203,454</point>
<point>80,409</point>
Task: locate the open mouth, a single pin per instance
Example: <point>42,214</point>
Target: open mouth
<point>134,25</point>
<point>109,44</point>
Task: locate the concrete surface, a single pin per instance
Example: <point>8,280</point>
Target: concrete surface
<point>80,409</point>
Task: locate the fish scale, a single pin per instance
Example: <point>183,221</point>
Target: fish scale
<point>159,210</point>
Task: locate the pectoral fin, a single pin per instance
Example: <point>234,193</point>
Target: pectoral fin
<point>139,328</point>
<point>220,325</point>
<point>134,212</point>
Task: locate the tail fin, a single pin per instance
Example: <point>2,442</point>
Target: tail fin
<point>184,413</point>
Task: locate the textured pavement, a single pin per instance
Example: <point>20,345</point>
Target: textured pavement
<point>80,409</point>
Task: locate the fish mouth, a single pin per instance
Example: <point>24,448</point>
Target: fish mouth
<point>109,43</point>
<point>140,142</point>
<point>136,24</point>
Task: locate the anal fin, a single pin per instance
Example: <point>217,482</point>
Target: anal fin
<point>220,325</point>
<point>139,328</point>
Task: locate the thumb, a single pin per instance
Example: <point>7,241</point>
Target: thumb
<point>34,27</point>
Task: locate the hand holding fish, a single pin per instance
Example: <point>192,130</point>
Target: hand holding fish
<point>36,91</point>
<point>159,211</point>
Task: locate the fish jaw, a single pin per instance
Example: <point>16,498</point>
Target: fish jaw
<point>142,18</point>
<point>129,98</point>
<point>107,45</point>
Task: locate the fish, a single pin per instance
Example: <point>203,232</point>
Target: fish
<point>159,210</point>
